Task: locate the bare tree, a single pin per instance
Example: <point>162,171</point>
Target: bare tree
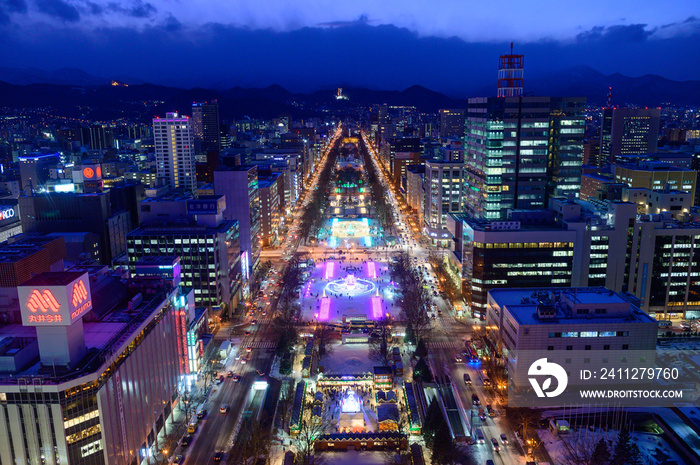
<point>304,442</point>
<point>582,449</point>
<point>252,443</point>
<point>381,344</point>
<point>323,335</point>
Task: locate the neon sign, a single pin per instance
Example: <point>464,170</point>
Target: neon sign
<point>42,301</point>
<point>7,213</point>
<point>79,293</point>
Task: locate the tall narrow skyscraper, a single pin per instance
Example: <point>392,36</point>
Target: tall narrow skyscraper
<point>207,127</point>
<point>175,159</point>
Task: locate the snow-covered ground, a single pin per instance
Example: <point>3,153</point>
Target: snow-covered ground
<point>349,359</point>
<point>653,448</point>
<point>355,457</point>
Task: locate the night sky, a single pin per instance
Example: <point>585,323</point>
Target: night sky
<point>449,46</point>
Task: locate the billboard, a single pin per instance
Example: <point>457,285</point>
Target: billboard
<point>92,172</point>
<point>55,304</point>
<point>9,212</point>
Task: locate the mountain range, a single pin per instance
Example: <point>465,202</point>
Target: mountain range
<point>75,93</point>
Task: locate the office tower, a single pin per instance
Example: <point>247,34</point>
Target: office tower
<point>452,123</point>
<point>195,231</point>
<point>206,126</point>
<point>510,74</point>
<point>521,151</point>
<point>271,189</point>
<point>70,213</point>
<point>97,137</point>
<point>175,160</point>
<point>240,184</point>
<point>628,131</point>
<point>443,183</point>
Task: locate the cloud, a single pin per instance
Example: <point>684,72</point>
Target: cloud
<point>171,24</point>
<point>138,9</point>
<point>363,19</point>
<point>689,27</point>
<point>9,7</point>
<point>616,34</point>
<point>16,6</point>
<point>59,9</point>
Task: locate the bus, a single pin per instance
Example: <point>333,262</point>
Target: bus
<point>664,323</point>
<point>484,377</point>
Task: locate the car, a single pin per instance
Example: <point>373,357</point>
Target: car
<point>236,378</point>
<point>494,443</point>
<point>504,438</point>
<point>201,413</point>
<point>482,414</point>
<point>221,379</point>
<point>458,358</point>
<point>223,408</point>
<point>467,378</point>
<point>229,374</point>
<point>249,349</point>
<point>218,456</point>
<point>254,322</point>
<point>179,459</point>
<point>264,313</point>
<point>247,333</point>
<point>186,440</point>
<point>238,357</point>
<point>244,361</point>
<point>475,400</point>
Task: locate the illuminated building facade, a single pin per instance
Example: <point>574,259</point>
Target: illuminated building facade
<point>84,384</point>
<point>175,156</point>
<point>521,151</point>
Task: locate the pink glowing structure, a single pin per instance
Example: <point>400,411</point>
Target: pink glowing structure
<point>324,314</point>
<point>372,270</point>
<point>376,308</point>
<point>330,270</point>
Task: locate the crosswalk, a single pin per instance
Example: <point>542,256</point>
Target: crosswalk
<point>445,345</point>
<point>263,345</point>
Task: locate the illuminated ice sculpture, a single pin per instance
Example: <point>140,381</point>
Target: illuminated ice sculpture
<point>350,285</point>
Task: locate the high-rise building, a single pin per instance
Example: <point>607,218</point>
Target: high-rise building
<point>195,231</point>
<point>628,131</point>
<point>205,117</point>
<point>443,184</point>
<point>271,189</point>
<point>521,151</point>
<point>452,123</point>
<point>175,157</point>
<point>240,184</point>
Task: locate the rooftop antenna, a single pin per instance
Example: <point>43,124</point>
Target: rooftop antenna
<point>609,96</point>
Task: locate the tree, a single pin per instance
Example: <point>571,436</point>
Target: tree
<point>438,439</point>
<point>252,443</point>
<point>323,337</point>
<point>601,453</point>
<point>304,442</point>
<point>380,346</point>
<point>421,349</point>
<point>626,452</point>
<point>422,371</point>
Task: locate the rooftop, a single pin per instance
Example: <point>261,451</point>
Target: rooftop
<point>57,278</point>
<point>523,305</point>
